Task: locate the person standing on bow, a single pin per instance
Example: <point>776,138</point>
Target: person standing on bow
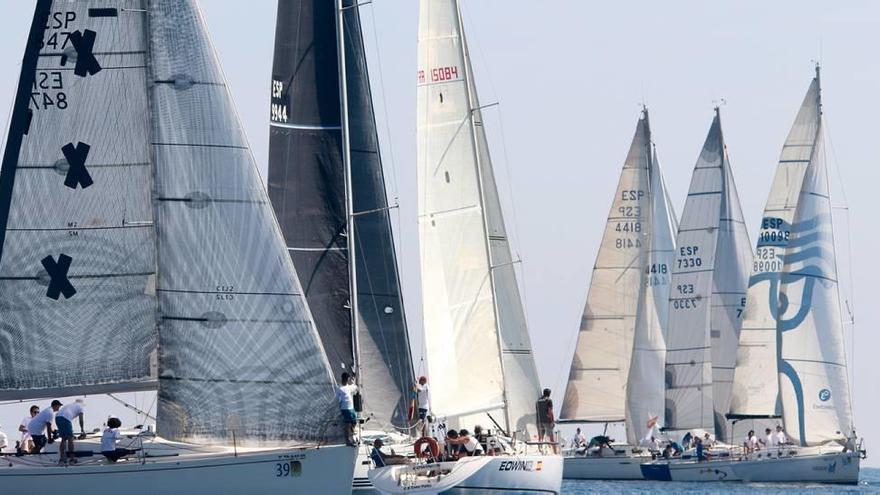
<point>64,422</point>
<point>546,419</point>
<point>345,396</point>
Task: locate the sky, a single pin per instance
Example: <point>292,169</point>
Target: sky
<point>569,78</point>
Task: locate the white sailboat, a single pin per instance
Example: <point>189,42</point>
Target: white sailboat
<point>791,354</point>
<point>617,369</point>
<point>326,182</point>
<point>707,296</point>
<point>138,252</point>
<point>479,357</point>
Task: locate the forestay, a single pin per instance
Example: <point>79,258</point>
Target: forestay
<point>814,388</point>
<point>645,388</point>
<point>596,389</point>
<point>756,389</point>
<point>707,295</point>
<point>307,189</point>
<point>136,191</point>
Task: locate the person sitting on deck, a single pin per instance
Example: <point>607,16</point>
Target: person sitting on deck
<point>579,440</point>
<point>708,442</point>
<point>40,427</point>
<point>781,437</point>
<point>108,441</point>
<point>454,448</point>
<point>381,459</point>
<point>471,446</point>
<point>602,442</point>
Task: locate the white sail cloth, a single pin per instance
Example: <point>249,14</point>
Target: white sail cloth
<point>474,320</point>
<point>756,391</point>
<point>708,286</point>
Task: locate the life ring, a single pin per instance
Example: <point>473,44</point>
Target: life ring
<point>433,446</point>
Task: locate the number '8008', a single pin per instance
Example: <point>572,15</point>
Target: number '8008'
<point>287,469</point>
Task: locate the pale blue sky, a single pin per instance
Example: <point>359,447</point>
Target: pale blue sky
<point>569,76</point>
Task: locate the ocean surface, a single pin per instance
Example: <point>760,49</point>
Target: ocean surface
<point>869,483</point>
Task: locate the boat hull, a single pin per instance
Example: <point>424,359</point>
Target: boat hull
<point>308,470</point>
<point>813,465</point>
<point>485,474</point>
<point>614,467</point>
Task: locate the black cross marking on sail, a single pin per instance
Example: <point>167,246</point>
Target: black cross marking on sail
<point>58,283</point>
<point>77,173</point>
<point>83,43</point>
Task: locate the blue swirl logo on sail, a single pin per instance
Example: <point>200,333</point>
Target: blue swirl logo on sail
<point>824,395</point>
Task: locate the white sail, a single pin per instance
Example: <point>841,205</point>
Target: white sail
<point>756,390</point>
<point>814,389</point>
<point>520,374</point>
<point>645,391</point>
<point>733,257</point>
<point>460,324</point>
<point>706,300</point>
<point>596,389</point>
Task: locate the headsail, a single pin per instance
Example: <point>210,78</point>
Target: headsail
<point>707,295</point>
<point>467,267</point>
<point>596,389</point>
<point>306,185</point>
<point>646,388</point>
<point>756,389</point>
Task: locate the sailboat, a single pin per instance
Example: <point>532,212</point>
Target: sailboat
<point>327,188</point>
<point>790,362</point>
<point>478,351</point>
<point>706,301</point>
<point>617,370</point>
<point>138,251</point>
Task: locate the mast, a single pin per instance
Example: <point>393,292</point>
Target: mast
<point>472,103</point>
<point>349,204</point>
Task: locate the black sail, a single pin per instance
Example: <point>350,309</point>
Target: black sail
<point>307,190</point>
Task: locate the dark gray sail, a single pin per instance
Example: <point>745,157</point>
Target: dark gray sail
<point>307,189</point>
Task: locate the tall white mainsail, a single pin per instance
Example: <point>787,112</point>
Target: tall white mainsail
<point>138,240</point>
<point>645,387</point>
<point>474,322</point>
<point>755,391</point>
<point>624,319</point>
<point>708,294</point>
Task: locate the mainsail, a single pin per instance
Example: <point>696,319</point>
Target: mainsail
<point>707,295</point>
<point>474,322</point>
<point>136,225</point>
<point>307,173</point>
<point>596,389</point>
<point>755,391</point>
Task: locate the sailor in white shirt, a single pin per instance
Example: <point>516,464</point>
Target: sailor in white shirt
<point>579,440</point>
<point>26,443</point>
<point>424,402</point>
<point>781,437</point>
<point>769,438</point>
<point>4,440</point>
<point>41,424</point>
<point>108,441</point>
<point>64,422</point>
<point>345,396</point>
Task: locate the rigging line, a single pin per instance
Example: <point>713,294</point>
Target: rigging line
<point>132,407</point>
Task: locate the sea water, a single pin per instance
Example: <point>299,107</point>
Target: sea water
<point>869,483</point>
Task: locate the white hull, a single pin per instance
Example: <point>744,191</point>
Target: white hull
<point>825,464</point>
<point>278,471</point>
<point>619,464</point>
<point>526,474</point>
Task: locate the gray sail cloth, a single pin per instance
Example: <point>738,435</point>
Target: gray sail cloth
<point>238,351</point>
<point>154,233</point>
<point>708,294</point>
<point>98,333</point>
<point>306,186</point>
